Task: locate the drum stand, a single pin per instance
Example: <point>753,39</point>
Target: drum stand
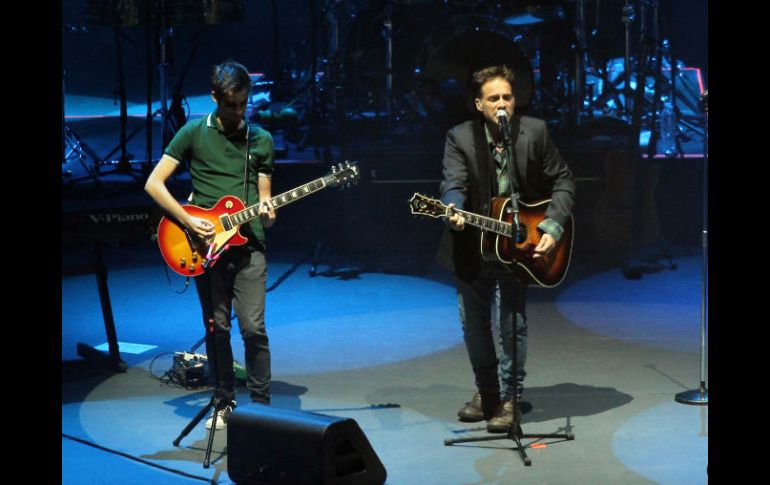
<point>587,102</point>
<point>122,164</point>
<point>387,33</point>
<point>316,113</point>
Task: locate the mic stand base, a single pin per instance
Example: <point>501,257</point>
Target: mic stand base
<point>696,397</point>
<point>514,433</point>
<point>216,402</point>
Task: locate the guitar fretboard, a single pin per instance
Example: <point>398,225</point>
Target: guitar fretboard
<point>485,223</point>
<point>281,200</point>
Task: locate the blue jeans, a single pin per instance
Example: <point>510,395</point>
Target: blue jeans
<point>239,277</point>
<point>475,301</point>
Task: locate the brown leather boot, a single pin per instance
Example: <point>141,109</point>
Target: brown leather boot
<point>471,412</point>
<point>479,408</point>
<point>503,418</point>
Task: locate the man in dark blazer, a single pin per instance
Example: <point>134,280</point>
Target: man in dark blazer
<point>476,168</point>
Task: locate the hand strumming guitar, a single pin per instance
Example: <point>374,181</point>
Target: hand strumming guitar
<point>545,246</point>
<point>200,227</point>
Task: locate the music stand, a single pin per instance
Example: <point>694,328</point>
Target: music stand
<point>514,432</point>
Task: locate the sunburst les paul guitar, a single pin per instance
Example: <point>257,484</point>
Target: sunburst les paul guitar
<point>497,243</point>
<point>190,255</point>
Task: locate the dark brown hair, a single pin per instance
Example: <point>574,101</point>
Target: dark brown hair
<point>488,73</point>
<point>230,77</point>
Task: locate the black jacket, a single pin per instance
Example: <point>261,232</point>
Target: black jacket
<point>469,174</point>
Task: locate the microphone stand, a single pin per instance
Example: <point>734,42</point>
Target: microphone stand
<point>700,396</point>
<point>505,130</point>
<point>514,432</point>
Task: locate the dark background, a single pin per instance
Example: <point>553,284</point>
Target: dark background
<point>88,50</point>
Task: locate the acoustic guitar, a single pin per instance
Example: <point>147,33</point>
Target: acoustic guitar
<point>497,237</point>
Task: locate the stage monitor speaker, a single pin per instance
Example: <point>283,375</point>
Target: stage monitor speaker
<point>269,445</point>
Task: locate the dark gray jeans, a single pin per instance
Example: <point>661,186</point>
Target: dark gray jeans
<point>238,278</point>
<point>475,301</point>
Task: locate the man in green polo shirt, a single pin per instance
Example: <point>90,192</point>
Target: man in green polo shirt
<point>216,148</point>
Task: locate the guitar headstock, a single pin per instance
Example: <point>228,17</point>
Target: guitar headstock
<point>425,206</point>
<point>343,175</point>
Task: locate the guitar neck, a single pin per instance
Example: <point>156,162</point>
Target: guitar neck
<point>280,200</point>
<point>485,223</point>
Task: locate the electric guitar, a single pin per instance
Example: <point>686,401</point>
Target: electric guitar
<point>497,244</point>
<point>190,255</point>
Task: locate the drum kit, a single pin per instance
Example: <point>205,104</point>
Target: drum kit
<point>412,59</point>
<point>409,62</point>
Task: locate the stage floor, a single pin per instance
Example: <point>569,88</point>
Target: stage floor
<point>607,356</point>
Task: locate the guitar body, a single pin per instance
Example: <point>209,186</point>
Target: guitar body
<point>186,253</point>
<point>548,271</point>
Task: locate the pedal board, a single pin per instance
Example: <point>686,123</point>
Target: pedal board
<point>192,370</point>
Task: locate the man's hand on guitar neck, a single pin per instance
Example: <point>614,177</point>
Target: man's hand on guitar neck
<point>266,214</point>
<point>456,220</point>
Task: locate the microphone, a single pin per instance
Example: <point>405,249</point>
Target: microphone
<point>502,117</point>
<point>502,120</point>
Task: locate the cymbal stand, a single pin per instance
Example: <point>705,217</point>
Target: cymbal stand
<point>628,17</point>
<point>165,34</point>
<point>123,164</point>
<point>335,74</point>
<point>387,33</point>
<point>73,145</point>
<point>316,113</point>
<point>391,104</point>
<point>581,54</point>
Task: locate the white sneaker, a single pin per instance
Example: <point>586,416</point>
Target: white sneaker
<point>223,416</point>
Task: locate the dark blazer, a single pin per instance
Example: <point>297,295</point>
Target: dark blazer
<point>469,181</point>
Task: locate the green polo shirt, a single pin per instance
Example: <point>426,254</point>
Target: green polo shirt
<point>217,163</point>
